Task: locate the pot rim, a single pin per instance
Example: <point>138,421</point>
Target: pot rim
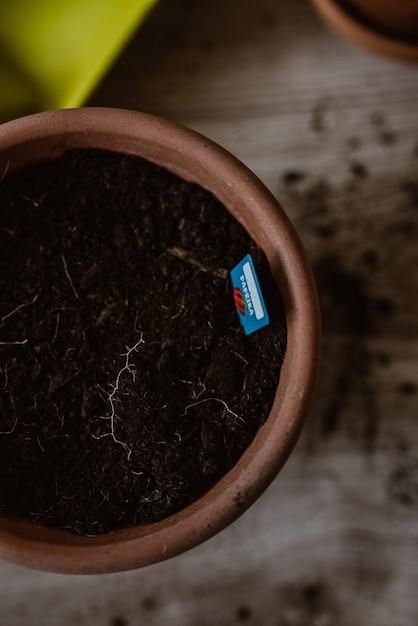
<point>193,157</point>
<point>346,23</point>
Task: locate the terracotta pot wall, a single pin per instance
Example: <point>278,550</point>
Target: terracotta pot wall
<point>195,158</point>
<point>399,17</point>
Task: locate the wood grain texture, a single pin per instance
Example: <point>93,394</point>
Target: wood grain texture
<point>333,132</point>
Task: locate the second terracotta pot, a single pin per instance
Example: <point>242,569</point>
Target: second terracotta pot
<point>384,26</point>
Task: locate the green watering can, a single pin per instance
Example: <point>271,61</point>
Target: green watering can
<point>54,52</point>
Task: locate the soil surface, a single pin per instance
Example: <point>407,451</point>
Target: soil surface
<point>128,387</point>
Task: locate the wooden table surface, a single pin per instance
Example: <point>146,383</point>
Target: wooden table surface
<point>333,132</point>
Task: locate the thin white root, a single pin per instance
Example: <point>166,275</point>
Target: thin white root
<point>16,309</point>
<point>184,255</point>
<point>224,404</point>
<point>68,276</point>
<point>128,367</point>
<point>14,343</point>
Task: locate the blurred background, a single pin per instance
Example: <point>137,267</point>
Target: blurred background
<point>332,130</point>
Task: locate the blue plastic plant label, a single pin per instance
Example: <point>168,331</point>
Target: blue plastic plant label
<point>248,298</point>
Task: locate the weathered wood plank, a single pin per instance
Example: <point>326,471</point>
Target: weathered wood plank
<point>333,132</point>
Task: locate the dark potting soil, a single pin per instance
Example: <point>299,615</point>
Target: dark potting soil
<point>128,387</point>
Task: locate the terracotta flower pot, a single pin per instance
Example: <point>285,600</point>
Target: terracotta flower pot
<point>383,26</point>
<point>194,158</point>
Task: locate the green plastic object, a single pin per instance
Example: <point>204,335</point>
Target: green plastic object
<point>54,52</point>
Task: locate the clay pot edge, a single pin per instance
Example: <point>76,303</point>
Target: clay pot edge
<point>258,211</point>
<point>361,33</point>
